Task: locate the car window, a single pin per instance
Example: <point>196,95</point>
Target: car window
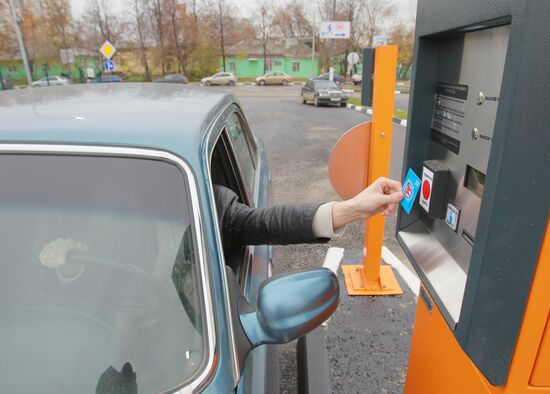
<point>128,292</point>
<point>242,148</point>
<point>323,84</point>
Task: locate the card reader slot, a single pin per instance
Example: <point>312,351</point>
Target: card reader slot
<point>468,237</point>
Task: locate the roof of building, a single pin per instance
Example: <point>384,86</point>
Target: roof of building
<point>289,47</point>
<point>159,116</point>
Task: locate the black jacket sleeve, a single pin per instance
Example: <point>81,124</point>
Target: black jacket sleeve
<point>279,225</point>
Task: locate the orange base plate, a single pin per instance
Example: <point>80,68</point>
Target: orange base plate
<point>356,284</point>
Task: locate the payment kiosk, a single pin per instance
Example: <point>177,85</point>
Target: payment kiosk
<point>478,138</point>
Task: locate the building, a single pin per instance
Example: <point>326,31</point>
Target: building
<point>81,60</point>
<point>292,56</point>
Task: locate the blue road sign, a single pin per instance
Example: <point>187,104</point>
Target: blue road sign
<point>109,65</point>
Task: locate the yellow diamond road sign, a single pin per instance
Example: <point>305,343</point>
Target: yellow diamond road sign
<point>107,49</point>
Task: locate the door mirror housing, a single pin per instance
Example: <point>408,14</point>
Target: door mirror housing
<point>289,306</point>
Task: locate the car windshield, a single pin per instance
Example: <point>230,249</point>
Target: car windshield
<point>99,287</point>
<point>322,84</point>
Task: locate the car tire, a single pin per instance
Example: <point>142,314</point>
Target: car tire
<point>208,83</point>
<point>261,82</point>
<point>231,83</point>
<point>284,82</point>
<point>316,101</point>
<point>304,101</point>
<point>343,104</point>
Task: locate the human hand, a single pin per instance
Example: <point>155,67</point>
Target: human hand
<point>381,196</point>
<point>54,254</point>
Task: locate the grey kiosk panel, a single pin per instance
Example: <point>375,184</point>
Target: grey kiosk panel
<point>478,108</point>
<point>463,118</point>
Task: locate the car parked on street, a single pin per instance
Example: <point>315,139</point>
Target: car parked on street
<point>337,78</point>
<point>321,92</point>
<point>52,80</point>
<point>223,78</point>
<point>173,78</point>
<point>356,79</point>
<point>108,78</point>
<point>274,78</point>
<point>146,301</point>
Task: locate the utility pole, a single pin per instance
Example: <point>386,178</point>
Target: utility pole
<point>16,22</point>
<point>313,43</point>
<point>331,60</point>
<point>221,32</point>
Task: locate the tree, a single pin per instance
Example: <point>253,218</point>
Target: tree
<point>105,25</point>
<point>290,20</point>
<point>8,40</point>
<point>140,30</point>
<point>375,12</point>
<point>58,26</point>
<point>403,36</point>
<point>158,22</point>
<point>263,18</point>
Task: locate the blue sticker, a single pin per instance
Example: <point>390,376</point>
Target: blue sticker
<point>411,186</point>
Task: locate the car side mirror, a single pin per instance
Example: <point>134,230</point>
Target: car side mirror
<point>289,306</point>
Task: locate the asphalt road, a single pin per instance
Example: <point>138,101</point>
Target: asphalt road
<point>298,140</point>
<point>402,101</point>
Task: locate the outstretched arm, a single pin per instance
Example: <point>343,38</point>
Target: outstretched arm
<point>382,196</point>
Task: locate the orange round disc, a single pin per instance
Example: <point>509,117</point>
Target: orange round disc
<point>347,166</point>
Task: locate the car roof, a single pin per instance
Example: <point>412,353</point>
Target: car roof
<point>157,116</point>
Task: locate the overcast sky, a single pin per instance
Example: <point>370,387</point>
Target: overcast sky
<point>406,8</point>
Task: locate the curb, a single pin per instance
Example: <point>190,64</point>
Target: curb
<point>368,111</point>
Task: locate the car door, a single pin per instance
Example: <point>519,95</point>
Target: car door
<point>308,90</point>
<point>261,368</point>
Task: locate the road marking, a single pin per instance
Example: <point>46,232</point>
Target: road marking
<point>412,281</point>
<point>333,259</point>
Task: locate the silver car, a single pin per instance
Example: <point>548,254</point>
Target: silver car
<point>52,79</point>
<point>222,78</point>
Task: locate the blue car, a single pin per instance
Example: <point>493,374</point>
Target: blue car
<point>113,274</point>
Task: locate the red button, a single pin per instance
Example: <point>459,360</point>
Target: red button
<point>426,189</point>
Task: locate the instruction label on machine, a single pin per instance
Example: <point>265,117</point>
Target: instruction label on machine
<point>448,114</point>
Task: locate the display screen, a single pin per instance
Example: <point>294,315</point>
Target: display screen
<point>475,180</point>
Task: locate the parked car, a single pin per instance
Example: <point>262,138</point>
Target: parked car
<point>173,78</point>
<point>339,79</point>
<point>7,83</point>
<point>53,81</point>
<point>323,92</point>
<point>357,79</point>
<point>222,78</point>
<point>274,78</point>
<point>108,78</point>
<point>151,305</point>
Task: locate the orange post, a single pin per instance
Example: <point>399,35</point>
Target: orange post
<point>371,278</point>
